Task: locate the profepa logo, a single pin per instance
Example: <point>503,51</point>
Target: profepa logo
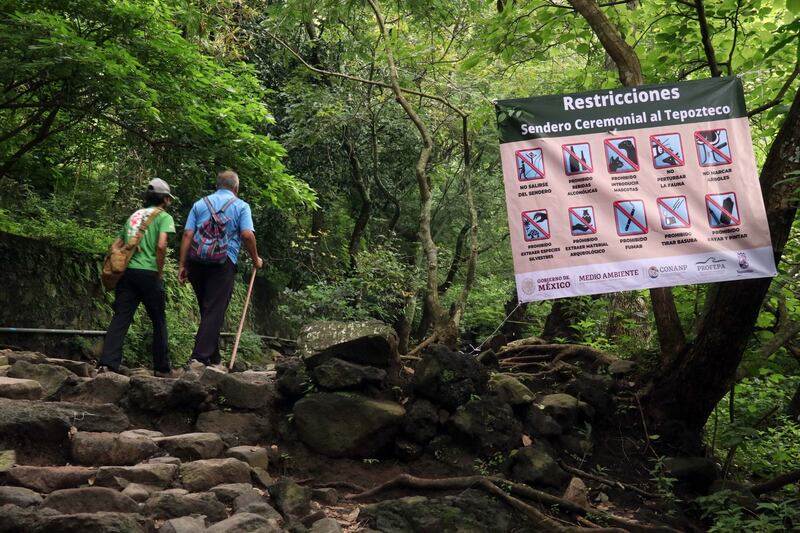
<point>710,264</point>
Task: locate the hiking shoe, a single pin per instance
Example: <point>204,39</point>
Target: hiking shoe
<point>171,374</point>
<point>196,365</point>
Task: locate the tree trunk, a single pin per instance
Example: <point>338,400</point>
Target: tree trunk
<point>690,387</point>
<point>425,198</point>
<point>558,323</point>
<point>366,204</point>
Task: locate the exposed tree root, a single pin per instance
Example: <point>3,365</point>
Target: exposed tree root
<point>339,485</point>
<point>776,483</point>
<point>605,481</point>
<point>529,353</point>
<point>490,485</point>
<point>421,346</point>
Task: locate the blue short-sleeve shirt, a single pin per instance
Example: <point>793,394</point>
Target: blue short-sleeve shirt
<point>239,216</point>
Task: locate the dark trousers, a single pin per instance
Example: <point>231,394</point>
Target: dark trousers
<point>137,286</point>
<point>213,285</point>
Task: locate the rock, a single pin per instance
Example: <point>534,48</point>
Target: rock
<point>566,410</point>
<point>202,475</point>
<point>489,424</point>
<point>192,446</point>
<point>163,394</point>
<point>118,477</point>
<point>309,519</point>
<point>448,378</point>
<point>184,524</point>
<point>337,374</point>
<point>290,498</point>
<point>29,357</point>
<point>50,421</point>
<point>177,422</point>
<point>19,496</point>
<point>95,449</point>
<point>228,492</point>
<point>621,367</point>
<point>149,433</point>
<point>79,368</point>
<point>422,421</point>
<point>8,458</point>
<point>235,428</point>
<point>510,390</point>
<point>137,492</point>
<point>488,358</point>
<point>243,523</point>
<point>328,496</point>
<point>255,456</point>
<point>165,506</point>
<point>47,479</point>
<point>246,390</point>
<point>576,444</point>
<point>594,390</point>
<point>14,519</point>
<point>346,425</point>
<point>165,460</point>
<point>368,343</point>
<point>262,508</point>
<point>470,511</point>
<point>293,380</point>
<point>89,500</point>
<point>20,389</point>
<point>108,387</point>
<point>698,473</point>
<point>534,466</point>
<point>262,477</point>
<point>577,493</point>
<point>211,376</point>
<point>246,498</point>
<point>407,450</point>
<point>326,525</point>
<point>539,423</point>
<point>51,377</point>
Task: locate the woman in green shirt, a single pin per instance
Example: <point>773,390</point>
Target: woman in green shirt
<point>143,281</point>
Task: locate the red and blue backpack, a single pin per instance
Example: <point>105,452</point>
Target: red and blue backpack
<point>210,241</point>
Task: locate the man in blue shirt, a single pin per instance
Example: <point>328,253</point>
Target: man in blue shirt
<point>213,282</point>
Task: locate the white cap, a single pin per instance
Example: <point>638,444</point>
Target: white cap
<point>160,186</point>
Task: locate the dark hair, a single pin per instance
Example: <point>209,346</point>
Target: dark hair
<point>154,199</point>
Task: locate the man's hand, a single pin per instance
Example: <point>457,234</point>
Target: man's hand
<point>259,263</point>
<point>183,274</point>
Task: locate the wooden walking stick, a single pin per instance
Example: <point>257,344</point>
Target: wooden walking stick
<point>241,322</point>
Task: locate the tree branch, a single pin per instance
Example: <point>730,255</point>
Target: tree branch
<point>708,47</point>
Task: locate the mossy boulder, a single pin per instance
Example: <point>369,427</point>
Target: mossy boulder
<point>347,424</point>
<point>449,378</point>
<point>370,343</point>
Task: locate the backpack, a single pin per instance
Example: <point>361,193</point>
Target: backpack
<point>210,241</point>
<point>118,257</point>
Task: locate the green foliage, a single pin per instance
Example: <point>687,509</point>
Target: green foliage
<point>372,290</point>
<point>101,96</point>
<point>771,448</point>
<point>724,509</point>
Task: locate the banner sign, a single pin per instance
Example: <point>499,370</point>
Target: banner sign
<point>632,188</point>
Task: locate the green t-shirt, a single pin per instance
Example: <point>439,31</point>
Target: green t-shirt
<point>145,258</point>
